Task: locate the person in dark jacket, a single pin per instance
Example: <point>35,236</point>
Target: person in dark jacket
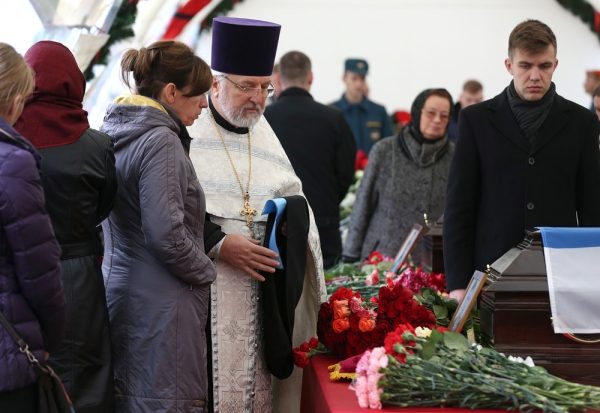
<point>405,178</point>
<point>320,146</point>
<point>31,293</point>
<point>156,272</point>
<point>526,158</point>
<point>472,92</point>
<point>78,174</point>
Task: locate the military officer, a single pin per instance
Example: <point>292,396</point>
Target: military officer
<point>368,120</point>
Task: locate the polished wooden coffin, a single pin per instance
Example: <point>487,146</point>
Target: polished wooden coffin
<point>516,317</point>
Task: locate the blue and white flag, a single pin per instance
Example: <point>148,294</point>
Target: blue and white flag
<point>573,266</point>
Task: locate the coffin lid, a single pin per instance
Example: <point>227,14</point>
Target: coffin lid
<point>521,268</point>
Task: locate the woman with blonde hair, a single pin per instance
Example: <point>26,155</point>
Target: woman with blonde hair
<point>31,294</point>
<point>78,175</point>
<point>156,273</point>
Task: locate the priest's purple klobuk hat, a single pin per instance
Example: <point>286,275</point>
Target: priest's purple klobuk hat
<point>244,46</point>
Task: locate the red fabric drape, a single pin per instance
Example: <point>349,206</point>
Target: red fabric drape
<point>319,394</point>
<point>182,17</point>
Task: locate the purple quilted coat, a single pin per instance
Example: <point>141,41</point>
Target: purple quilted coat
<point>31,294</point>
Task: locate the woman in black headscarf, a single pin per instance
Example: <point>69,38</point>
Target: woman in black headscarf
<point>405,178</point>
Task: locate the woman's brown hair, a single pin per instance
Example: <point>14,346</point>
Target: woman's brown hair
<point>164,62</point>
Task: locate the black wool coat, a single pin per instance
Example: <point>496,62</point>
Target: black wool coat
<point>80,184</point>
<point>500,183</point>
<point>321,149</point>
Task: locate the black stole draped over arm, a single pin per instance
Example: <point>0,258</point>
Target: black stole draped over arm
<point>212,233</point>
<point>281,290</point>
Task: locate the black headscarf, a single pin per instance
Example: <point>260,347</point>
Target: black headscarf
<point>417,107</point>
<point>424,152</point>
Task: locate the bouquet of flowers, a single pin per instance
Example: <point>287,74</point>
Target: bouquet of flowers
<point>415,279</point>
<point>360,163</point>
<point>368,276</point>
<point>420,368</point>
<point>349,324</point>
<point>306,350</point>
<point>442,306</point>
<point>365,277</point>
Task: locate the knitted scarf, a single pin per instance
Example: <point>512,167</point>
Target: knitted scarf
<point>530,115</point>
<point>422,152</point>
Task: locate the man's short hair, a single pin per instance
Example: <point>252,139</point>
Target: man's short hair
<point>593,73</point>
<point>532,36</point>
<point>294,67</point>
<point>472,86</point>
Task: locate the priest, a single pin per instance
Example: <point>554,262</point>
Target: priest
<point>241,165</point>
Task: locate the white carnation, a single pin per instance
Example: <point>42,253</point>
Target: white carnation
<point>422,332</point>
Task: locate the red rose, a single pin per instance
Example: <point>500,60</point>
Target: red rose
<point>324,318</point>
<point>300,358</point>
<point>343,293</point>
<point>313,342</point>
<point>382,328</point>
<point>361,160</point>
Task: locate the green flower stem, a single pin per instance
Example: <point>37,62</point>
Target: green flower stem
<point>478,380</point>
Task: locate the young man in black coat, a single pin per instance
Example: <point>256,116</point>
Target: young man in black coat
<point>526,158</point>
<point>320,146</point>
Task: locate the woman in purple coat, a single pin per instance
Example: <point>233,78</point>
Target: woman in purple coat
<point>31,294</point>
<point>78,176</point>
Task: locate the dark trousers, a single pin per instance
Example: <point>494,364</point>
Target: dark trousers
<point>20,401</point>
<point>331,245</point>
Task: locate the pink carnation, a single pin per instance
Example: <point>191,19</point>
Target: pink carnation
<point>360,387</point>
<point>373,278</point>
<point>368,372</point>
<point>389,276</point>
<point>374,399</point>
<point>355,304</point>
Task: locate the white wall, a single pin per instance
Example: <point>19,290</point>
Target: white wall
<point>415,44</point>
<point>18,24</point>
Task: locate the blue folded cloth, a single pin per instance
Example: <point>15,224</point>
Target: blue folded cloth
<point>275,206</point>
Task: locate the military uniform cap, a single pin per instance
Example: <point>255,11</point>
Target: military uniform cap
<point>359,66</point>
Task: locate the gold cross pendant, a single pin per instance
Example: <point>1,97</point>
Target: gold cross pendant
<point>248,212</point>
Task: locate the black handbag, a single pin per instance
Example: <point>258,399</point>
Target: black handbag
<point>52,396</point>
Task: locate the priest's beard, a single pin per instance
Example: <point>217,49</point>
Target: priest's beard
<point>238,116</point>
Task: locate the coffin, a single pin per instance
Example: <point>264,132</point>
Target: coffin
<point>516,317</point>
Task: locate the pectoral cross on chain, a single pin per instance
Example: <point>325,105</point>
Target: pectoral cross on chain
<point>248,212</point>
